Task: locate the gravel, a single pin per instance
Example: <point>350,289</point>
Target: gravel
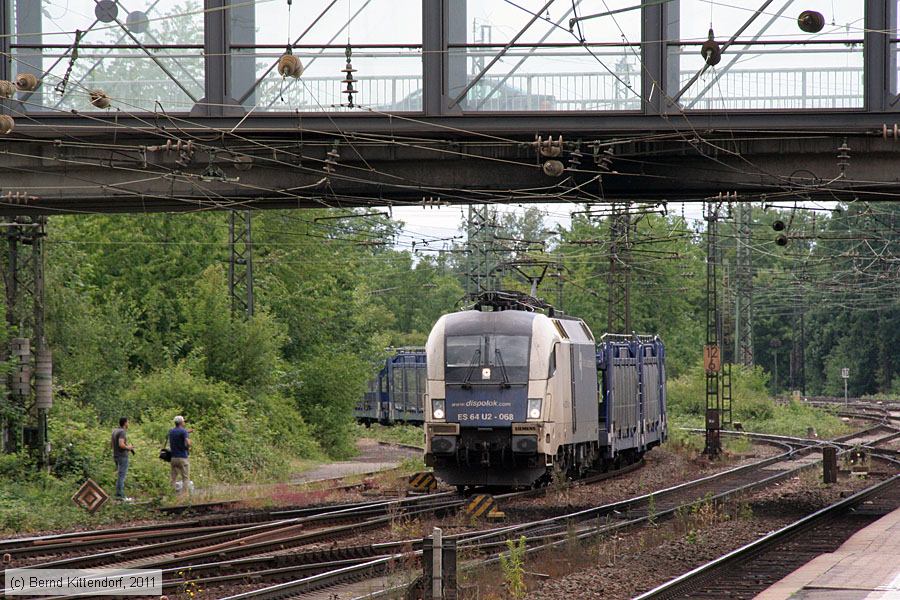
<point>636,562</point>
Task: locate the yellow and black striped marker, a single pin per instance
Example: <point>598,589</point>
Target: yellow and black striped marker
<point>481,504</point>
<point>422,482</point>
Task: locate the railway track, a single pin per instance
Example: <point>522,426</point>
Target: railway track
<point>373,574</point>
<point>749,570</point>
<point>271,552</point>
<point>288,528</point>
<point>363,578</point>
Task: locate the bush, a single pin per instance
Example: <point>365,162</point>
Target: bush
<point>329,386</point>
<point>751,404</point>
<point>237,442</point>
<point>750,400</point>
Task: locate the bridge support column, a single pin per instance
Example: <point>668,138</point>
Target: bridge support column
<point>878,81</point>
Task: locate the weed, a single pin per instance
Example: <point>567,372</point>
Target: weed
<point>513,565</point>
<point>188,587</point>
<point>651,510</point>
<point>745,511</point>
<point>692,536</point>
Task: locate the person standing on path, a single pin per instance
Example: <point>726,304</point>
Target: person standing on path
<point>120,450</point>
<point>180,444</point>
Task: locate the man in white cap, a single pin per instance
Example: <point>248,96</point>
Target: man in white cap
<point>180,444</point>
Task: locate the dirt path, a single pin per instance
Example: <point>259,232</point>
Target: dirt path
<point>373,456</point>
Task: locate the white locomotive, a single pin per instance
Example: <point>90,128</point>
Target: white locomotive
<point>514,395</point>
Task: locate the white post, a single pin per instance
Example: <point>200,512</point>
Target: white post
<point>845,373</point>
<point>437,564</point>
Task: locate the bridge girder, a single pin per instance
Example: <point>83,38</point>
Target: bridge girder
<point>41,176</point>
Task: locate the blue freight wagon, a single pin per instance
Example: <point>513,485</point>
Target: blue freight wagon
<point>395,393</point>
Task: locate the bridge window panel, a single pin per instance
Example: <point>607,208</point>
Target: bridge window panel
<point>139,52</point>
<point>893,69</point>
<point>133,81</point>
<point>326,23</point>
<point>557,78</point>
<point>499,21</point>
<point>387,80</point>
<point>385,37</point>
<point>759,77</point>
<point>844,20</point>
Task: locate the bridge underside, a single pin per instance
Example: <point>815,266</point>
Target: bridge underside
<point>76,167</point>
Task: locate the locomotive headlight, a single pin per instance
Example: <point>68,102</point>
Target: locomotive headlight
<point>534,408</point>
<point>437,409</point>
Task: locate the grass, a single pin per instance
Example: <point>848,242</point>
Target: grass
<point>395,434</point>
<point>44,503</point>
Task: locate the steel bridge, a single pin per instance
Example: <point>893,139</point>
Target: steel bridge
<point>199,117</point>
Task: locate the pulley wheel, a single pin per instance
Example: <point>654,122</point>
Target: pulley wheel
<point>106,11</point>
<point>137,21</point>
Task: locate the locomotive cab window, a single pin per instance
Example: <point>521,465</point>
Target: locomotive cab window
<point>552,368</point>
<point>503,358</point>
<point>508,350</point>
<point>462,350</point>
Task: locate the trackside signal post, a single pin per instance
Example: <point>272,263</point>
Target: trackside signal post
<point>712,357</point>
<point>30,392</point>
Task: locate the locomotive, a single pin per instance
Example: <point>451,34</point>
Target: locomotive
<point>516,396</point>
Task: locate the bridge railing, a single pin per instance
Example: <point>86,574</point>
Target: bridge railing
<point>737,89</point>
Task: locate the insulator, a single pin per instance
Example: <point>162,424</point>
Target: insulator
<point>778,225</point>
<point>811,21</point>
<point>348,68</point>
<point>20,347</point>
<point>290,66</point>
<point>99,99</point>
<point>553,168</point>
<point>711,51</point>
<point>43,380</point>
<point>781,240</point>
<point>26,82</point>
<point>18,198</point>
<point>7,124</point>
<point>550,148</point>
<point>575,159</point>
<point>7,89</point>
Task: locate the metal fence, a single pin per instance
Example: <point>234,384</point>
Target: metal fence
<point>745,89</point>
<point>738,89</point>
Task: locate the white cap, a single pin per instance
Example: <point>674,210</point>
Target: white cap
<point>179,420</point>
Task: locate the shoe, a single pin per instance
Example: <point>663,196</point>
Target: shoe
<point>124,499</point>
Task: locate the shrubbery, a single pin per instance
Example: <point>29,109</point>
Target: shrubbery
<point>236,437</point>
<point>326,396</point>
<point>751,404</point>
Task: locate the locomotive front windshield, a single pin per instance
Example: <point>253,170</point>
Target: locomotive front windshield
<point>497,358</point>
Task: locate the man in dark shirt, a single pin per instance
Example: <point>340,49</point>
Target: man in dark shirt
<point>180,444</point>
<point>120,450</point>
